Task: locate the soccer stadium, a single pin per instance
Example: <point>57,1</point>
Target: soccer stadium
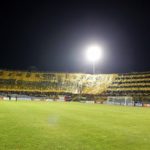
<point>75,75</point>
<point>41,110</point>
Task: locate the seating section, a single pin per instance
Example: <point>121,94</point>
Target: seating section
<point>75,83</point>
<point>130,84</point>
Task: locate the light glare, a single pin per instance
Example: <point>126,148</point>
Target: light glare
<point>93,53</point>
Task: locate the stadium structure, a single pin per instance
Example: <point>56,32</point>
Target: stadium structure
<point>120,89</point>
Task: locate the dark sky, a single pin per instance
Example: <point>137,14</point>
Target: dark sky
<point>53,35</point>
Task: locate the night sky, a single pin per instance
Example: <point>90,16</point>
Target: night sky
<point>53,35</point>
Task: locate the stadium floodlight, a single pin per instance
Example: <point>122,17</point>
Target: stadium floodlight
<point>93,54</point>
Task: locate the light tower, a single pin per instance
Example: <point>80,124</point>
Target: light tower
<point>93,54</point>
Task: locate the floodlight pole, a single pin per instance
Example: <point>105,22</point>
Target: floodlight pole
<point>93,67</point>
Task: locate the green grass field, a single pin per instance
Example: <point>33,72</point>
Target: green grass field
<point>73,126</point>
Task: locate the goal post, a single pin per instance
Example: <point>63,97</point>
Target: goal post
<point>120,100</point>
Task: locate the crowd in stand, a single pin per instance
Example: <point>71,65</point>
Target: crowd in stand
<point>117,84</point>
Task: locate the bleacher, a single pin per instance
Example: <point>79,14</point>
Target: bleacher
<point>129,84</point>
<point>44,82</point>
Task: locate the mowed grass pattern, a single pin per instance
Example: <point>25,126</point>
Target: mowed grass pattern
<point>73,126</point>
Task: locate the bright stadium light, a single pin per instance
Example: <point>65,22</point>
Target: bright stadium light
<point>93,54</point>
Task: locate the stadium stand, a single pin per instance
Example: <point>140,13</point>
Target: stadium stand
<point>135,85</point>
<point>130,89</point>
<point>74,83</point>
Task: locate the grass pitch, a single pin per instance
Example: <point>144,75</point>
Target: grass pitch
<point>73,126</point>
